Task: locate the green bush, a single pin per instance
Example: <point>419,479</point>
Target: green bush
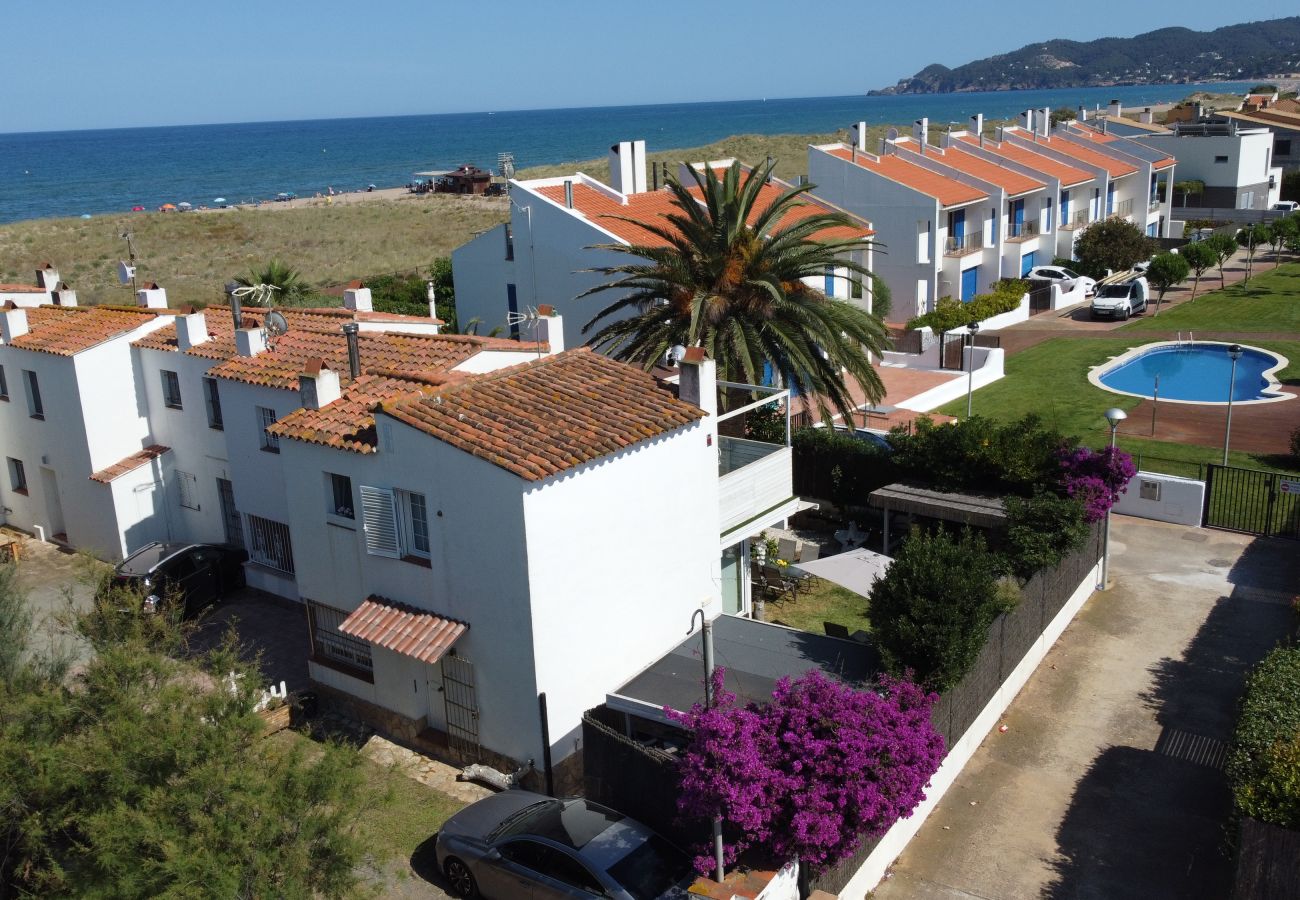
<point>838,467</point>
<point>1295,442</point>
<point>1264,765</point>
<point>980,454</point>
<point>882,299</point>
<point>932,609</point>
<point>949,313</point>
<point>1041,531</point>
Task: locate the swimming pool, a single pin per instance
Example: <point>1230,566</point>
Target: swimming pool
<point>1193,373</point>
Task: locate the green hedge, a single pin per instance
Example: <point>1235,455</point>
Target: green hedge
<point>949,313</point>
<point>835,466</point>
<point>1264,765</point>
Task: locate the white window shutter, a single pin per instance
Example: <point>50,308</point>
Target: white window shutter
<point>379,521</point>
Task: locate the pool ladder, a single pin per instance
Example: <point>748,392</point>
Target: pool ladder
<point>1190,341</point>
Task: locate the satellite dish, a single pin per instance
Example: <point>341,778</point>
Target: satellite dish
<point>275,325</point>
<point>892,134</point>
<point>125,272</point>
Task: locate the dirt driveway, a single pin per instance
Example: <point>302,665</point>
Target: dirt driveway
<point>1108,782</point>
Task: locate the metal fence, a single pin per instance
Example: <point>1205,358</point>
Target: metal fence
<point>630,777</point>
<point>951,356</point>
<point>1252,501</point>
<point>1226,214</point>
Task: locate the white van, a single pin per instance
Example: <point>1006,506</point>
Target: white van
<point>1120,299</point>
<point>1289,206</point>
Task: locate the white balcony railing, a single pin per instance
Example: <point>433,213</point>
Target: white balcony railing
<point>753,477</point>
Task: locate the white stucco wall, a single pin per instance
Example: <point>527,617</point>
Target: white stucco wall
<point>1170,499</point>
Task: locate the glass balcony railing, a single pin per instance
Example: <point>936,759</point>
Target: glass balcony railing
<point>1021,231</point>
<point>967,243</point>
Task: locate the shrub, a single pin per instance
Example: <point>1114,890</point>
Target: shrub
<point>1096,478</point>
<point>932,609</point>
<point>1264,764</point>
<point>882,299</point>
<point>812,772</point>
<point>1112,244</point>
<point>838,467</point>
<point>949,313</point>
<point>1295,442</point>
<point>980,454</point>
<point>1042,530</point>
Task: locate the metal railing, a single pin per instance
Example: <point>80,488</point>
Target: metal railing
<point>967,243</point>
<point>1123,208</point>
<point>1021,231</point>
<point>1078,220</point>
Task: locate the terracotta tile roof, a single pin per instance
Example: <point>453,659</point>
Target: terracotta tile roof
<point>948,191</point>
<point>66,330</point>
<point>409,353</point>
<point>349,422</point>
<point>1068,175</point>
<point>545,417</point>
<point>129,464</point>
<point>1009,180</point>
<point>222,327</point>
<point>402,629</point>
<point>21,289</point>
<point>653,207</point>
<point>1116,168</point>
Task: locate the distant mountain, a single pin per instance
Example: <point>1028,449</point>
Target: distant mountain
<point>1169,55</point>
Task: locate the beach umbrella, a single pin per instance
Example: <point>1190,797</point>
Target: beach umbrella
<point>184,205</point>
<point>219,200</point>
<point>137,209</point>
<point>85,215</point>
<point>167,207</point>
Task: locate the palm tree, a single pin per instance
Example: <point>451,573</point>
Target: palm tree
<point>729,277</point>
<point>281,286</point>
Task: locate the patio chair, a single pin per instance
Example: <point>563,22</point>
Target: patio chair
<point>778,588</point>
<point>787,549</point>
<point>835,630</point>
<point>810,552</point>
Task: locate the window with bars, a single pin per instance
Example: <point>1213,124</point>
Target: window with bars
<point>269,544</point>
<point>265,419</point>
<point>187,487</point>
<point>213,400</point>
<point>171,385</point>
<point>330,646</point>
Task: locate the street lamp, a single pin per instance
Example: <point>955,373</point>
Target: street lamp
<point>1234,353</point>
<point>1114,416</point>
<point>972,329</point>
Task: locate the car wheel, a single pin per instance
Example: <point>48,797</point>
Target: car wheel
<point>460,879</point>
<point>1124,315</point>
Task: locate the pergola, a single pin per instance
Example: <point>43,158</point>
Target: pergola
<point>965,509</point>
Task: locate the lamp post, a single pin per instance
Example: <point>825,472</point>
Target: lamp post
<point>972,329</point>
<point>1114,416</point>
<point>1234,353</point>
<point>706,627</point>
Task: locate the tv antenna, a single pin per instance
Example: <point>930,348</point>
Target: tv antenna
<point>256,294</point>
<point>274,325</point>
<point>126,270</point>
<point>530,317</point>
<point>506,165</point>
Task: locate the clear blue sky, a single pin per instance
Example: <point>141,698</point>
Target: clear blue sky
<point>82,64</point>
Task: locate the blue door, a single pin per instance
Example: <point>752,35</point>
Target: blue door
<point>1153,229</point>
<point>969,282</point>
<point>512,304</point>
<point>1017,218</point>
<point>1026,263</point>
<point>1110,198</point>
<point>957,225</point>
<point>829,287</point>
<point>1065,208</point>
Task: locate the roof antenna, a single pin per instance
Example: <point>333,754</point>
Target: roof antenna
<point>530,317</point>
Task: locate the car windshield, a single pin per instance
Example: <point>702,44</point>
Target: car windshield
<point>1114,290</point>
<point>651,869</point>
<point>1068,274</point>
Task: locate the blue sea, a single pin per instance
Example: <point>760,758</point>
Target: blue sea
<point>71,173</point>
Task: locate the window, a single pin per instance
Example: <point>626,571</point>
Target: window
<point>339,495</point>
<point>34,405</point>
<point>171,386</point>
<point>269,544</point>
<point>1220,159</point>
<point>213,400</point>
<point>416,514</point>
<point>187,487</point>
<point>265,419</point>
<point>396,523</point>
<point>332,647</point>
<point>1281,147</point>
<point>4,385</point>
<point>17,476</point>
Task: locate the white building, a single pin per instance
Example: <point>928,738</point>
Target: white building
<point>545,255</point>
<point>1234,163</point>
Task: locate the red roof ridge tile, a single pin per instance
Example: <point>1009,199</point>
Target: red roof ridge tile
<point>129,463</point>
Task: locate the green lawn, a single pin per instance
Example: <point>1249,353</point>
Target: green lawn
<point>1051,379</point>
<point>826,602</point>
<point>1269,302</point>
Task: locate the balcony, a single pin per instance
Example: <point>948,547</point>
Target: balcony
<point>1078,220</point>
<point>967,243</point>
<point>1018,232</point>
<point>1123,209</point>
<point>1153,205</point>
<point>754,476</point>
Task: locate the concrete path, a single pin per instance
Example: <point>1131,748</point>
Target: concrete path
<point>1108,781</point>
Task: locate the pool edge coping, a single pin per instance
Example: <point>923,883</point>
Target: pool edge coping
<point>1269,374</point>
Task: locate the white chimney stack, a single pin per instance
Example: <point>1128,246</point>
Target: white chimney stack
<point>1045,123</point>
<point>698,380</point>
<point>1145,117</point>
<point>318,385</point>
<point>859,136</point>
<point>64,295</point>
<point>921,131</point>
<point>47,277</point>
<point>550,328</point>
<point>191,328</point>
<point>977,124</point>
<point>13,323</point>
<point>627,172</point>
<point>151,296</point>
<point>1115,110</point>
<point>1027,120</point>
<point>250,341</point>
<point>357,298</point>
<point>433,299</point>
<point>1082,114</point>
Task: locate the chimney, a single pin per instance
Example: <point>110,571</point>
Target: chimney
<point>64,295</point>
<point>354,350</point>
<point>47,277</point>
<point>627,167</point>
<point>318,385</point>
<point>432,297</point>
<point>1115,110</point>
<point>1082,113</point>
<point>250,341</point>
<point>1145,117</point>
<point>859,136</point>
<point>13,323</point>
<point>151,296</point>
<point>191,328</point>
<point>356,297</point>
<point>568,195</point>
<point>698,380</point>
<point>1200,111</point>
<point>921,132</point>
<point>1027,120</point>
<point>977,125</point>
<point>550,328</point>
<point>1045,123</point>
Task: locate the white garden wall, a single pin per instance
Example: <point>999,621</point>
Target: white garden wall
<point>1165,498</point>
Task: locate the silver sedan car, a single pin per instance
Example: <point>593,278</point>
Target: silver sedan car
<point>518,844</point>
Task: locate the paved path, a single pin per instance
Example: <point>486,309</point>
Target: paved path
<point>1107,783</point>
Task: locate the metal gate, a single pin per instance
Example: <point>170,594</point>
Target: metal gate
<point>1252,501</point>
<point>950,353</point>
<point>462,706</point>
<point>1040,299</point>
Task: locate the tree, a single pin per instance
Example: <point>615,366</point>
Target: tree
<point>1062,114</point>
<point>1095,478</point>
<point>284,286</point>
<point>1113,244</point>
<point>1041,530</point>
<point>813,772</point>
<point>1165,271</point>
<point>1280,232</point>
<point>1224,245</point>
<point>729,277</point>
<point>882,298</point>
<point>931,610</point>
<point>1251,237</point>
<point>1189,187</point>
<point>1200,256</point>
<point>444,289</point>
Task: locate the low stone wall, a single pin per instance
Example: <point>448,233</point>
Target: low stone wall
<point>1164,498</point>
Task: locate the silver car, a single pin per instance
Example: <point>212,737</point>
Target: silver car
<point>526,845</point>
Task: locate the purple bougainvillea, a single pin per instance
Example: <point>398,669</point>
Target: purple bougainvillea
<point>1095,477</point>
<point>813,772</point>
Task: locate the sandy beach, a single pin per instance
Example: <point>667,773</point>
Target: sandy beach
<point>349,198</point>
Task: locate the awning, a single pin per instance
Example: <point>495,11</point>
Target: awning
<point>403,629</point>
<point>856,570</point>
<point>968,509</point>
